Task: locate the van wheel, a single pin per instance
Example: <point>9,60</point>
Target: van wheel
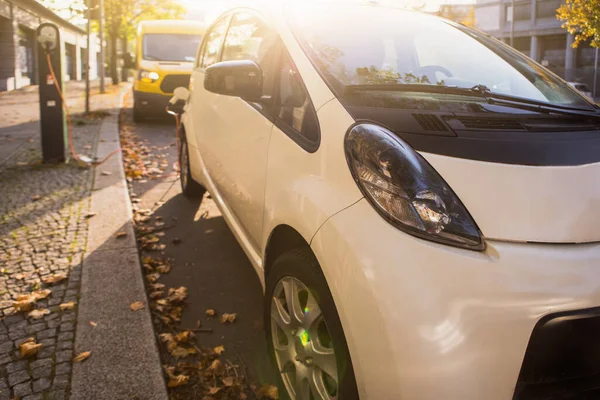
<point>304,333</point>
<point>189,186</point>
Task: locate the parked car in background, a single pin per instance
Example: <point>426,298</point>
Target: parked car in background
<point>166,50</point>
<point>419,200</point>
<point>583,88</point>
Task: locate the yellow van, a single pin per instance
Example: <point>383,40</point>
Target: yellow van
<point>166,50</point>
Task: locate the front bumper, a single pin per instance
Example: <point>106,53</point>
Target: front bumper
<point>428,321</point>
<point>150,102</point>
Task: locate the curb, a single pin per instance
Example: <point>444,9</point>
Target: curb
<point>124,361</point>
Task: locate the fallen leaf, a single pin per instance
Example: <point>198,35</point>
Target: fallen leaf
<point>177,295</point>
<point>37,314</point>
<point>156,294</point>
<point>219,350</point>
<point>54,278</point>
<point>163,269</point>
<point>41,294</point>
<point>178,380</point>
<point>176,240</point>
<point>210,312</point>
<point>89,215</point>
<point>121,235</point>
<point>138,305</point>
<point>157,286</point>
<point>169,340</point>
<point>152,277</point>
<point>228,318</point>
<point>182,352</point>
<point>35,198</point>
<point>29,348</point>
<point>67,306</point>
<point>184,337</point>
<point>24,303</point>
<point>81,356</point>
<point>214,390</point>
<point>92,323</point>
<point>216,368</point>
<point>228,381</point>
<point>269,391</point>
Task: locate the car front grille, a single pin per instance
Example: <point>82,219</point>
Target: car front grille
<point>562,358</point>
<point>172,82</point>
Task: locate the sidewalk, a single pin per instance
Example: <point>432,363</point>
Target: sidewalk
<point>46,227</point>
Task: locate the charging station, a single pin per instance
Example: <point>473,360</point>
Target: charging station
<point>52,119</point>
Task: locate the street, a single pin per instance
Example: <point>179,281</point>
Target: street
<point>204,257</point>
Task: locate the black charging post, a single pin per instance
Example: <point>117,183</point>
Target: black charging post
<point>52,118</point>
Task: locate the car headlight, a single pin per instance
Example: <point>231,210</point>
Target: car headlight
<point>148,76</point>
<point>406,190</point>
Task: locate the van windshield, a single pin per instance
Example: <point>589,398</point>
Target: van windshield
<point>170,47</point>
<point>370,45</point>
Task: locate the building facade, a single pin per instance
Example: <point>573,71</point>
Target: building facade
<point>539,34</point>
<point>18,50</point>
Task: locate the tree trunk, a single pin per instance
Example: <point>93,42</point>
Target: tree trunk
<point>114,74</point>
<point>124,70</point>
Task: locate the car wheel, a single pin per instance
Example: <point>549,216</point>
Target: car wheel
<point>138,115</point>
<point>189,186</point>
<point>304,333</point>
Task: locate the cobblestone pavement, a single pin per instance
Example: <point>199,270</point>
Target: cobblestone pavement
<point>43,232</point>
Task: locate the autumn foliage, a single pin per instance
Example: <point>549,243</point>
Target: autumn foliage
<point>582,19</point>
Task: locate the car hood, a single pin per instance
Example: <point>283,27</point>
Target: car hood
<point>547,204</point>
<point>166,66</point>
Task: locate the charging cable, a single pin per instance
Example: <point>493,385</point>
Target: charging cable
<point>79,159</point>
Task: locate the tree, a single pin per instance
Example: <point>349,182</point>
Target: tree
<point>582,19</point>
<point>122,16</point>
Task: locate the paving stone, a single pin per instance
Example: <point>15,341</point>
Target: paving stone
<point>41,384</point>
<point>66,336</point>
<point>61,382</point>
<point>18,377</point>
<point>22,390</point>
<point>42,372</point>
<point>4,359</point>
<point>47,352</point>
<point>33,397</point>
<point>6,347</point>
<point>65,355</point>
<point>16,366</point>
<point>63,369</point>
<point>67,327</point>
<point>57,395</point>
<point>41,363</point>
<point>35,328</point>
<point>48,333</point>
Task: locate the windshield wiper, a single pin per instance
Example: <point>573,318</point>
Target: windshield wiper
<point>481,91</point>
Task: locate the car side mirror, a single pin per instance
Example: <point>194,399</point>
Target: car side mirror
<point>241,78</point>
<point>177,103</point>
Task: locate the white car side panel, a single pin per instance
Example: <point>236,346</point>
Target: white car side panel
<point>427,321</point>
<point>305,189</point>
<point>543,204</point>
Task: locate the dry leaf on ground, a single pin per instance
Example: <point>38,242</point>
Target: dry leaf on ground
<point>67,306</point>
<point>219,350</point>
<point>24,303</point>
<point>54,278</point>
<point>89,215</point>
<point>182,352</point>
<point>184,336</point>
<point>121,235</point>
<point>228,381</point>
<point>106,173</point>
<point>228,318</point>
<point>138,305</point>
<point>216,368</point>
<point>37,314</point>
<point>214,390</point>
<point>29,348</point>
<point>81,356</point>
<point>35,198</point>
<point>178,380</point>
<point>268,391</point>
<point>41,294</point>
<point>169,340</point>
<point>92,323</point>
<point>177,295</point>
<point>210,312</point>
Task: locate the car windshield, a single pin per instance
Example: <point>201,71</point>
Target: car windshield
<point>170,47</point>
<point>394,46</point>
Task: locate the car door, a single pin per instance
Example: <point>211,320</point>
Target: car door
<point>238,139</point>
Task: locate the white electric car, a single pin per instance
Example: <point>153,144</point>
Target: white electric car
<point>420,201</point>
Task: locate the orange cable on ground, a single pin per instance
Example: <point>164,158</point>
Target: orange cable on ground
<point>69,122</point>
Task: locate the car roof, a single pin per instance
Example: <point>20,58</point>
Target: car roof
<point>172,26</point>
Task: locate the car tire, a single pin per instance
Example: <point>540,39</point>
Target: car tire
<point>138,115</point>
<point>301,265</point>
<point>189,187</point>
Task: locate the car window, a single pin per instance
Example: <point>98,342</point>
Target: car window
<point>249,38</point>
<point>293,105</point>
<point>213,43</point>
